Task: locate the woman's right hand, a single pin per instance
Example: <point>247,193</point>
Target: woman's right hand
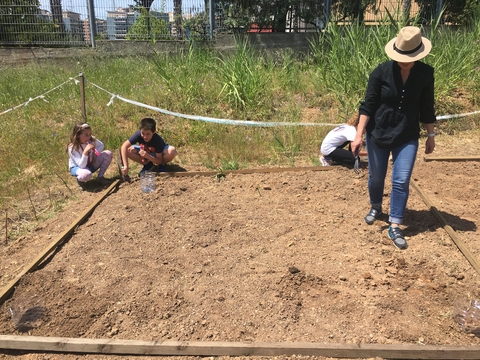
<point>356,146</point>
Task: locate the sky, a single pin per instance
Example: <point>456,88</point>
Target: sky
<point>102,6</point>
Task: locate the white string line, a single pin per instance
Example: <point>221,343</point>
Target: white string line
<point>208,119</point>
<point>203,118</point>
<point>41,96</point>
<point>242,122</point>
<point>444,117</point>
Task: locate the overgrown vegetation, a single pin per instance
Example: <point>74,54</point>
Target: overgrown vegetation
<point>244,85</point>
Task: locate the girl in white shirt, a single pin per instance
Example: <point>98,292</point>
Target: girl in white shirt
<point>86,155</point>
<point>333,146</point>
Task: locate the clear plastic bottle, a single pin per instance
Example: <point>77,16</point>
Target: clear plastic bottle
<point>467,315</point>
<point>147,181</point>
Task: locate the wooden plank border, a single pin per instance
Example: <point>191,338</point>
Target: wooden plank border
<point>5,292</point>
<point>451,158</point>
<point>460,244</point>
<point>245,171</point>
<point>200,348</point>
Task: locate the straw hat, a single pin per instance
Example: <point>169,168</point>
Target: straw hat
<point>408,46</point>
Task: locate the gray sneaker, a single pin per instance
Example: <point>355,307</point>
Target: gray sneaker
<point>325,161</point>
<point>372,215</point>
<point>395,234</point>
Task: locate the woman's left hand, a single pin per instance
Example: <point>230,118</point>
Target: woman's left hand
<point>429,145</point>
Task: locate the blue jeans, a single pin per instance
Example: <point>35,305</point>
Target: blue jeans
<point>403,157</point>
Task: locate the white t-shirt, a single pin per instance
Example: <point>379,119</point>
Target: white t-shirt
<point>337,137</point>
<point>76,157</point>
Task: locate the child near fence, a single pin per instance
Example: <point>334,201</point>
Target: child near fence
<point>333,145</point>
<point>152,151</point>
<point>86,155</point>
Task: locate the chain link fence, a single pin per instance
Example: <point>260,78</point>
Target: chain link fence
<point>68,22</point>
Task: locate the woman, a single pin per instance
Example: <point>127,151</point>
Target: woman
<point>399,95</point>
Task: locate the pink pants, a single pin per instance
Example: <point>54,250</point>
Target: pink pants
<point>101,162</point>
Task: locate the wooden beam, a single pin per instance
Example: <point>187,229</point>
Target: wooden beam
<point>246,171</point>
<point>5,292</point>
<point>460,244</point>
<point>199,348</point>
<point>118,155</point>
<point>451,158</point>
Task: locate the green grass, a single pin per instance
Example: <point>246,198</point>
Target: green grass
<point>244,85</point>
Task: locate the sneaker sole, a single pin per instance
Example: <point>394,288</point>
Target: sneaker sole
<point>398,247</point>
<point>394,244</point>
<point>370,222</point>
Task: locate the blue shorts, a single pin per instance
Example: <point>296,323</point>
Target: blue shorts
<point>74,169</point>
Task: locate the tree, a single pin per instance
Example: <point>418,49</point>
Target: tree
<point>147,27</point>
<point>177,16</point>
<point>458,12</point>
<point>145,4</point>
<point>196,26</point>
<point>266,14</point>
<point>309,11</point>
<point>353,9</point>
<point>232,15</point>
<point>21,23</point>
<point>56,9</point>
<point>273,14</point>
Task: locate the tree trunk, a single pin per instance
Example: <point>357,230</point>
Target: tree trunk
<point>56,8</point>
<point>359,11</point>
<point>147,4</point>
<point>406,8</point>
<point>177,15</point>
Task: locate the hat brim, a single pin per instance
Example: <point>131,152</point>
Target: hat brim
<point>417,55</point>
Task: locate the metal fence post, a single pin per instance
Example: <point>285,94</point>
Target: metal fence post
<point>91,22</point>
<point>439,10</point>
<point>211,18</point>
<point>326,10</point>
<point>82,97</point>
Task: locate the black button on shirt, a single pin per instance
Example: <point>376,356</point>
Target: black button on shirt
<point>396,109</point>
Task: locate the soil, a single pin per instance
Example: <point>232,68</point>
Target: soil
<point>264,257</point>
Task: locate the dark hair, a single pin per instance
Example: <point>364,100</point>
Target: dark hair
<point>78,128</point>
<point>148,124</point>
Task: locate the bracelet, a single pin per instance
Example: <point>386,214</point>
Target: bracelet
<point>431,134</point>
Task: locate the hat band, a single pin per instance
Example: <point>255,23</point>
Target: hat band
<point>408,52</point>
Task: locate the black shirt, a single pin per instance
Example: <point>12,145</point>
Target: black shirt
<point>395,109</point>
<point>155,145</point>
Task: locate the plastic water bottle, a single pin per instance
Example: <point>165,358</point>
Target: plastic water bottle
<point>147,181</point>
<point>467,315</point>
<point>94,150</point>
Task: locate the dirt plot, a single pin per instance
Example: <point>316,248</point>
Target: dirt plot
<point>266,257</point>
